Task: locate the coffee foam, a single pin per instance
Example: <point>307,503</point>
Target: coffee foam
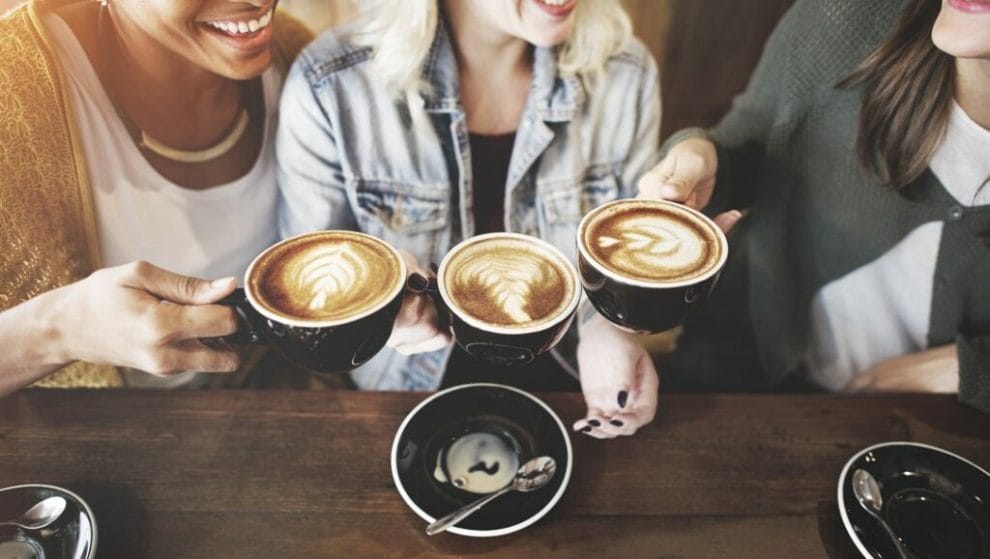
<point>652,242</point>
<point>509,282</point>
<point>326,276</point>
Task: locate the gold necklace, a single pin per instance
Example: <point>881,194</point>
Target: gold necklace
<point>155,146</point>
<point>198,156</point>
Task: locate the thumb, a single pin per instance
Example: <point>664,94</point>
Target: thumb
<point>177,288</point>
<point>688,165</point>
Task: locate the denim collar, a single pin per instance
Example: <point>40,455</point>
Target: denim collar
<point>552,98</point>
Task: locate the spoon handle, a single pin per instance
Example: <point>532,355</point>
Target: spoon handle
<point>441,524</point>
<point>901,551</point>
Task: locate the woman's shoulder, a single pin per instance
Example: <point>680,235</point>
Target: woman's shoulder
<point>291,36</point>
<point>332,51</point>
<point>16,27</point>
<point>634,53</point>
<point>824,40</point>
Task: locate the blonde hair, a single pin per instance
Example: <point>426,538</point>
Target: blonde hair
<point>401,33</point>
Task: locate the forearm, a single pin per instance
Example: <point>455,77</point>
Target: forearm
<point>32,342</point>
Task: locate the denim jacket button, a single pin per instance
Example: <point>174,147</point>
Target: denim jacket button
<point>955,213</point>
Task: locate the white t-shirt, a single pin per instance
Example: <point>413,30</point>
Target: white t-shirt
<point>895,290</point>
<point>141,215</point>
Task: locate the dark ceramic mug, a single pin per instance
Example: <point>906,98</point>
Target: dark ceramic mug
<point>642,304</point>
<point>320,346</point>
<point>493,342</point>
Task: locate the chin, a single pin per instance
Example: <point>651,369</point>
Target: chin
<point>551,39</point>
<point>962,37</point>
<point>249,69</point>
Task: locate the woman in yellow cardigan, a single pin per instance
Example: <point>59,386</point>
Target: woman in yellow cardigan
<point>135,157</point>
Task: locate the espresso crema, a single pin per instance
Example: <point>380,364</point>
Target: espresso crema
<point>326,276</point>
<point>508,282</point>
<point>653,242</point>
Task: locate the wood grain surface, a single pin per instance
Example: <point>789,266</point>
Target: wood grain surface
<point>305,474</point>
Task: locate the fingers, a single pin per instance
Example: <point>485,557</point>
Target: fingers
<point>201,321</point>
<point>416,328</point>
<point>633,408</point>
<point>175,288</point>
<point>860,383</point>
<point>727,220</point>
<point>688,169</point>
<point>190,355</point>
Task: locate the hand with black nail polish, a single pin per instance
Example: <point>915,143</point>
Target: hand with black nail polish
<point>618,379</point>
<point>417,328</point>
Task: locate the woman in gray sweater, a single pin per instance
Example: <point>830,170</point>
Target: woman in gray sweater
<point>860,153</point>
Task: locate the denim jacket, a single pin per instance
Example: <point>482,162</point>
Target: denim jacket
<point>352,155</point>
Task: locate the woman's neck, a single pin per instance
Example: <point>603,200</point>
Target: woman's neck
<point>159,74</point>
<point>494,71</point>
<point>174,99</point>
<point>973,89</point>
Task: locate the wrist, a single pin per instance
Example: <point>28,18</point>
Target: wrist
<point>48,329</point>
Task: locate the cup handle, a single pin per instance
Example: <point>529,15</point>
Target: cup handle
<point>247,320</point>
<point>419,284</point>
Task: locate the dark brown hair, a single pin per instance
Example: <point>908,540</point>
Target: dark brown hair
<point>907,98</point>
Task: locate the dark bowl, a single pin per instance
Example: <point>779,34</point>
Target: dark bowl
<point>71,536</point>
<point>937,502</point>
<point>520,425</point>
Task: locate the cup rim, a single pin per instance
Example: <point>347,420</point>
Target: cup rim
<point>290,320</point>
<point>599,267</point>
<point>494,328</point>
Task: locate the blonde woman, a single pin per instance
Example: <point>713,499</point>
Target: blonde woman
<point>430,121</point>
<point>135,157</point>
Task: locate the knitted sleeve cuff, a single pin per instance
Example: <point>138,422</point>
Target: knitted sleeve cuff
<point>974,370</point>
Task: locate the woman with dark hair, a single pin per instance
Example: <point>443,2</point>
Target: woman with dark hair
<point>861,151</point>
<point>136,157</point>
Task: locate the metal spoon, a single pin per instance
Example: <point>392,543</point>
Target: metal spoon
<point>531,476</point>
<point>868,494</point>
<point>40,515</point>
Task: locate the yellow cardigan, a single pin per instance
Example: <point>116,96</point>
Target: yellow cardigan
<point>48,232</point>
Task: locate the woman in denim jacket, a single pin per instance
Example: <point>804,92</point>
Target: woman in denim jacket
<point>434,120</point>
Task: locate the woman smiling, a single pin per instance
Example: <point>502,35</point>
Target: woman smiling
<point>137,132</point>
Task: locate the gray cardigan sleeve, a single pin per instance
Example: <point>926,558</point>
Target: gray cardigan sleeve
<point>974,370</point>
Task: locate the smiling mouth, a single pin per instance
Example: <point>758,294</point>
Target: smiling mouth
<point>242,28</point>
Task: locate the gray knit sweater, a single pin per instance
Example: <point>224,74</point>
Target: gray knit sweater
<point>787,152</point>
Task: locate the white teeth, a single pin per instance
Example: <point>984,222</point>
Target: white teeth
<point>554,2</point>
<point>242,27</point>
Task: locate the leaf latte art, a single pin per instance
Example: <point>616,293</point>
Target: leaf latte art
<point>509,283</point>
<point>326,276</point>
<point>652,243</point>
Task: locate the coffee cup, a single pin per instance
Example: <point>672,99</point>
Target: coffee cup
<point>506,297</point>
<point>645,264</point>
<point>325,300</point>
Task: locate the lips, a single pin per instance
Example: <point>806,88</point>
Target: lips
<point>556,8</point>
<point>244,34</point>
<point>971,6</point>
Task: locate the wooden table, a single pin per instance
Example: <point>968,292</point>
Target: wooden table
<point>274,474</point>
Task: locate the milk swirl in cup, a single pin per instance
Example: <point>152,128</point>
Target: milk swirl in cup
<point>652,243</point>
<point>508,281</point>
<point>327,276</point>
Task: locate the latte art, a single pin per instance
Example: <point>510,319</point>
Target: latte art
<point>326,276</point>
<point>329,275</point>
<point>652,242</point>
<point>508,282</point>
